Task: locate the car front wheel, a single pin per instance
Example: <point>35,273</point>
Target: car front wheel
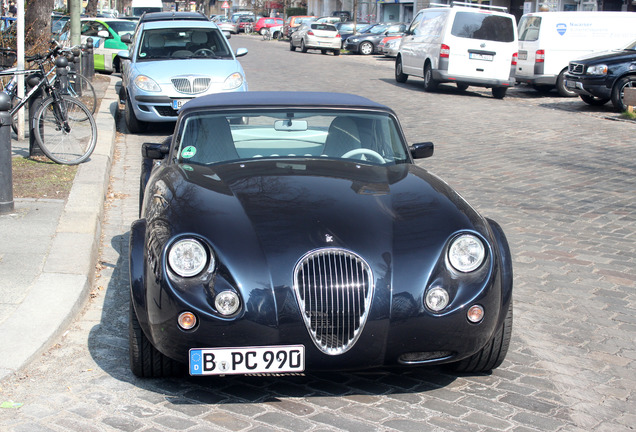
<point>561,88</point>
<point>366,48</point>
<point>429,83</point>
<point>618,92</point>
<point>133,125</point>
<point>291,46</point>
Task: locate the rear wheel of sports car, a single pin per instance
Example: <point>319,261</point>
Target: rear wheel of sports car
<point>618,92</point>
<point>145,360</point>
<point>491,355</point>
<point>366,48</point>
<point>303,48</point>
<point>400,76</point>
<point>133,125</point>
<point>593,100</point>
<point>429,83</point>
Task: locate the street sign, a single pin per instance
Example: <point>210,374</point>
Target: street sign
<point>226,5</point>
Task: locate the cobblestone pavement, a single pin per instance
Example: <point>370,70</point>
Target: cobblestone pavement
<point>557,175</point>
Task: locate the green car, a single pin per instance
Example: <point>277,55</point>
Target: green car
<point>106,34</point>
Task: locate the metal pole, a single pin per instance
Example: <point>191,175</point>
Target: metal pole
<point>91,59</point>
<point>6,173</point>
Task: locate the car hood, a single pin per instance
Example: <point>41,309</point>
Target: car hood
<point>164,70</point>
<point>609,55</point>
<point>270,213</point>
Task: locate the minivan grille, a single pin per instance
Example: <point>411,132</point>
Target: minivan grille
<point>191,85</point>
<point>576,68</point>
<point>334,288</point>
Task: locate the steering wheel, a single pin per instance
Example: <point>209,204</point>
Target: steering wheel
<point>204,52</point>
<point>366,152</point>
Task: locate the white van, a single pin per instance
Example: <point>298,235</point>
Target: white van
<point>548,41</point>
<point>463,44</point>
<point>138,7</point>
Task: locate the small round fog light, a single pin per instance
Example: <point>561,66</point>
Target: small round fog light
<point>227,302</point>
<point>187,320</point>
<point>437,299</point>
<point>475,314</point>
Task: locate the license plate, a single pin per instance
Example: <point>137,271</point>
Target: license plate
<point>523,55</point>
<point>252,360</point>
<point>570,84</point>
<point>477,56</point>
<point>178,103</point>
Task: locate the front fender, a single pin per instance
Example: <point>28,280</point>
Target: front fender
<point>505,257</point>
<point>137,276</point>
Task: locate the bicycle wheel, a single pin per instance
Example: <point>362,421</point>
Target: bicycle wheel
<point>67,132</point>
<point>81,88</point>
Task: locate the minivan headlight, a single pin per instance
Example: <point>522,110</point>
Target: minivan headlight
<point>597,70</point>
<point>147,84</point>
<point>233,81</point>
<point>466,253</point>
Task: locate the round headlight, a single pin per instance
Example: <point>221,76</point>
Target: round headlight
<point>187,257</point>
<point>466,253</point>
<point>437,299</point>
<point>227,302</point>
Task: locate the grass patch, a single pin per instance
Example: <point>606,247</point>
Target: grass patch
<point>629,115</point>
<point>38,177</point>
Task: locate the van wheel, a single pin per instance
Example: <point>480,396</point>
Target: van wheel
<point>561,88</point>
<point>429,83</point>
<point>499,92</point>
<point>400,76</point>
<point>462,87</point>
<point>618,92</point>
<point>593,100</point>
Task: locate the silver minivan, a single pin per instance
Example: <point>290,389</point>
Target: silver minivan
<point>462,44</point>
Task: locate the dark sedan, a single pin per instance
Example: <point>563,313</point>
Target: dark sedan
<point>367,43</point>
<point>284,232</point>
<point>604,76</point>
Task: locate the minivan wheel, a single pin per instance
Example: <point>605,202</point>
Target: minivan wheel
<point>429,83</point>
<point>618,92</point>
<point>561,88</point>
<point>400,76</point>
<point>499,92</point>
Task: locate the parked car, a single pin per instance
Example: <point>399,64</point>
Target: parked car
<point>349,28</point>
<point>224,24</point>
<point>293,22</point>
<point>367,43</point>
<point>267,22</point>
<point>173,58</point>
<point>237,266</point>
<point>107,43</point>
<point>57,24</point>
<point>390,46</point>
<point>463,45</point>
<point>314,35</point>
<point>242,22</point>
<point>601,77</point>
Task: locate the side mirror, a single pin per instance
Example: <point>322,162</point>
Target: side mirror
<point>227,34</point>
<point>422,150</point>
<point>155,150</point>
<point>240,52</point>
<point>125,55</point>
<point>127,38</point>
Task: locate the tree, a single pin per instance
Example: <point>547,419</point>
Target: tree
<point>91,8</point>
<point>37,24</point>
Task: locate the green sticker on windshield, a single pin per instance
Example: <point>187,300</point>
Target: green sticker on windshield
<point>188,152</point>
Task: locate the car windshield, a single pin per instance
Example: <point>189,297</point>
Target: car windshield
<point>170,43</point>
<point>209,138</point>
<point>122,27</point>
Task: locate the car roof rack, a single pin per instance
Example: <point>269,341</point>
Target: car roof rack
<point>480,6</point>
<point>173,16</point>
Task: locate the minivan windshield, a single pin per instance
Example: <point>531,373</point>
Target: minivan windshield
<point>475,25</point>
<point>170,43</point>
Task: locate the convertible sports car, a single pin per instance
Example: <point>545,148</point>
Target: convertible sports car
<point>283,232</point>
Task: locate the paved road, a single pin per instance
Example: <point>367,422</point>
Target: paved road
<point>559,176</point>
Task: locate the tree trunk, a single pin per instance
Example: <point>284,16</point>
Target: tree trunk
<point>37,25</point>
<point>91,8</point>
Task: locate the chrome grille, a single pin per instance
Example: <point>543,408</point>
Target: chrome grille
<point>334,288</point>
<point>191,85</point>
<point>576,68</point>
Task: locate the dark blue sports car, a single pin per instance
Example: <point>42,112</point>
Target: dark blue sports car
<point>286,232</point>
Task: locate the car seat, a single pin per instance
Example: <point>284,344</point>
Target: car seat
<point>342,137</point>
<point>199,40</point>
<point>212,139</point>
<point>156,43</point>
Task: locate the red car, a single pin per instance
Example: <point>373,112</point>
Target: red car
<point>267,22</point>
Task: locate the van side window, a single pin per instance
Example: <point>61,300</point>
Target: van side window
<point>482,26</point>
<point>529,29</point>
<point>413,28</point>
<point>432,24</point>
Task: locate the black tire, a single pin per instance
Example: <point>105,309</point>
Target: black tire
<point>336,52</point>
<point>303,48</point>
<point>66,133</point>
<point>618,92</point>
<point>291,45</point>
<point>462,86</point>
<point>145,360</point>
<point>493,353</point>
<point>499,92</point>
<point>81,88</point>
<point>543,89</point>
<point>429,83</point>
<point>400,76</point>
<point>365,48</point>
<point>561,88</point>
<point>133,125</point>
<point>593,100</point>
<point>323,51</point>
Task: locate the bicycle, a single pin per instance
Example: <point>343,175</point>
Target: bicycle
<point>64,127</point>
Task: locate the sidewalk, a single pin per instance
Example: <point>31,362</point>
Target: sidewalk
<point>48,249</point>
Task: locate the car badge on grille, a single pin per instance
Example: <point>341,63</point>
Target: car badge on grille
<point>328,238</point>
<point>482,45</point>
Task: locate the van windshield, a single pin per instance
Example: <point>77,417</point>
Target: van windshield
<point>482,26</point>
<point>529,28</point>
